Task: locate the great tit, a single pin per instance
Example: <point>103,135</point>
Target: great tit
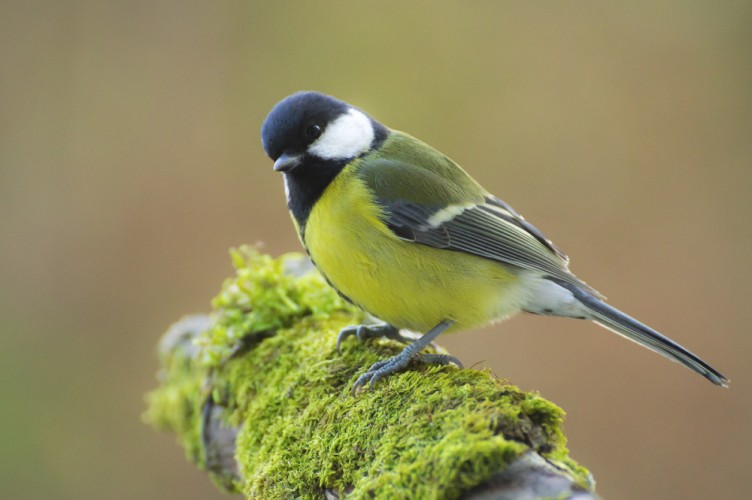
<point>404,233</point>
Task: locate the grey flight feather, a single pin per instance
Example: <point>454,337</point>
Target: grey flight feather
<point>429,199</point>
<point>518,220</point>
<point>628,327</point>
<point>483,230</point>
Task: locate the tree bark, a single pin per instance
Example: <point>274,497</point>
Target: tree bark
<point>260,398</point>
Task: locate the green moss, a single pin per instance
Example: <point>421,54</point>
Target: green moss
<point>430,432</point>
<point>176,406</point>
<point>263,297</point>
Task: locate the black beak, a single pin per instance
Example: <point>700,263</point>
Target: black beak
<point>287,162</point>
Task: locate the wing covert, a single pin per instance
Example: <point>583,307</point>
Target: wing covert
<point>474,229</point>
<point>455,213</point>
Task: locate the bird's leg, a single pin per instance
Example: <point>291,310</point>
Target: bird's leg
<point>365,332</point>
<point>396,363</point>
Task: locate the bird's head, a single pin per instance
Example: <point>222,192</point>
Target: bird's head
<point>314,128</point>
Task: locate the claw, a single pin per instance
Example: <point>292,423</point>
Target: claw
<point>381,369</point>
<point>385,368</point>
<point>365,332</point>
<point>441,359</point>
<point>343,334</point>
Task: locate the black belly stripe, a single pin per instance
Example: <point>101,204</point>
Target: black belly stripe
<point>307,183</point>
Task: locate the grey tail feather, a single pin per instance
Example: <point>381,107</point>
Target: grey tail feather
<point>628,327</point>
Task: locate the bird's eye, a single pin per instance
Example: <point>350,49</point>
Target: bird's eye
<point>313,132</point>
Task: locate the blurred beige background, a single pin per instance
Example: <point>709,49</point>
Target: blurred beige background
<point>130,161</point>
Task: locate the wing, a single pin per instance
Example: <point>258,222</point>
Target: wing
<point>455,213</point>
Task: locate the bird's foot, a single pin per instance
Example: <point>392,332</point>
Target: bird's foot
<point>365,332</point>
<point>383,369</point>
<point>441,359</point>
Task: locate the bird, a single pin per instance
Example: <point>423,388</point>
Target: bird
<point>404,233</point>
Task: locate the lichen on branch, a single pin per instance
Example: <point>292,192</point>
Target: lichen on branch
<point>266,358</point>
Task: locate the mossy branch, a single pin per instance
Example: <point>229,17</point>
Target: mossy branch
<point>260,398</point>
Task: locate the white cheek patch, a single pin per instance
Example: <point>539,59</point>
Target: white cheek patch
<point>346,137</point>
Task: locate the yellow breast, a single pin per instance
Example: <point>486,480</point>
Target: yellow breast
<point>406,284</point>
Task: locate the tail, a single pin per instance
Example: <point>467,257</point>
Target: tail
<point>628,327</point>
